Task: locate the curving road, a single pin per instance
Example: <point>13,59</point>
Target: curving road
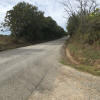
<point>26,69</point>
<point>35,73</point>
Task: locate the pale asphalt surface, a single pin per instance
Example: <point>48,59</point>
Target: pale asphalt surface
<point>35,73</point>
<point>26,69</point>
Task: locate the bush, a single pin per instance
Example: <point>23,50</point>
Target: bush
<point>88,29</point>
<point>26,21</point>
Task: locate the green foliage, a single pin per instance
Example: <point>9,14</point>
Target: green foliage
<point>26,21</point>
<point>73,24</point>
<point>95,13</point>
<point>86,55</point>
<point>86,26</point>
<point>93,29</point>
<point>51,29</point>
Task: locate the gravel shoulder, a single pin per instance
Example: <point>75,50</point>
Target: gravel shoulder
<point>71,84</point>
<point>35,73</point>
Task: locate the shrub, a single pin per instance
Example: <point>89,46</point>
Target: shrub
<point>88,30</point>
<point>26,21</point>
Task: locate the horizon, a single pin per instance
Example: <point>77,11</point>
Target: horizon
<point>52,8</point>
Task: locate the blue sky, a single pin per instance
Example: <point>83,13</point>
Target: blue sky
<point>51,8</point>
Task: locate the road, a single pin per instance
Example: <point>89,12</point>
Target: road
<point>35,73</point>
<point>26,69</point>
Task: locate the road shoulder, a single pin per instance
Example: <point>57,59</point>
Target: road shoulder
<point>71,84</point>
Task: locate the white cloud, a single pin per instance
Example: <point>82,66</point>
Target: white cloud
<point>50,7</point>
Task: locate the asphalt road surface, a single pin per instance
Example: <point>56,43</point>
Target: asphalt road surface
<point>35,73</point>
<point>26,69</point>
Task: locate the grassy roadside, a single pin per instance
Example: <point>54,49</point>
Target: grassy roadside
<point>88,57</point>
<point>8,42</point>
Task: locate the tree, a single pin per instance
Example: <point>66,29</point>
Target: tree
<point>51,30</point>
<point>85,22</point>
<point>26,21</point>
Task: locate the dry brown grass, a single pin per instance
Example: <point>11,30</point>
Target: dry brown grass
<point>8,42</point>
<point>87,56</point>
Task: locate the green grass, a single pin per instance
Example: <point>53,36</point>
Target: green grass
<point>84,54</point>
<point>91,69</point>
<point>87,55</point>
<point>84,68</point>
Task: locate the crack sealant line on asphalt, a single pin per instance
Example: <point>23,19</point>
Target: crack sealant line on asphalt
<point>36,87</point>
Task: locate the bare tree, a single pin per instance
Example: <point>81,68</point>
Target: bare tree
<point>93,6</point>
<point>84,6</point>
<point>68,7</point>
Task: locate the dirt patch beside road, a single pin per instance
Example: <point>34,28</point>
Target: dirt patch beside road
<point>70,57</point>
<point>71,85</point>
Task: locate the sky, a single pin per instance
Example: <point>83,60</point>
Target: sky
<point>52,8</point>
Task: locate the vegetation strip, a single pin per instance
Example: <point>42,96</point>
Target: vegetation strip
<point>84,29</point>
<point>28,26</point>
<point>70,57</point>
